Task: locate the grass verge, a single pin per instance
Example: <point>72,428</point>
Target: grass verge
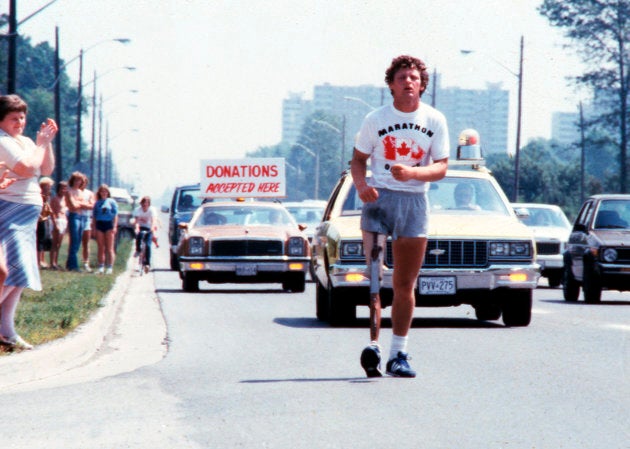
<point>67,299</point>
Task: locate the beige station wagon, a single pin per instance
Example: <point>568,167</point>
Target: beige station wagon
<point>479,254</point>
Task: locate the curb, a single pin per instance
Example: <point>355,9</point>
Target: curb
<point>86,341</point>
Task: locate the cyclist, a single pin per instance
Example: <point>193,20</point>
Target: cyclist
<point>146,220</point>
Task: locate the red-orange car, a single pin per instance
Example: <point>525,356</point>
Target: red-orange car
<point>243,242</point>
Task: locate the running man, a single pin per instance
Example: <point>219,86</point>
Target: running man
<point>408,144</point>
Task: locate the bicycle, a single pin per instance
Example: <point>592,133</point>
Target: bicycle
<point>143,265</point>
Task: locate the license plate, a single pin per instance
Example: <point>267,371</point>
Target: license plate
<point>246,270</point>
<point>438,285</point>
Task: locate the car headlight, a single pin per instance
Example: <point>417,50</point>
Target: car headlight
<point>609,255</point>
<point>296,246</point>
<point>510,249</point>
<point>352,250</point>
<point>195,246</point>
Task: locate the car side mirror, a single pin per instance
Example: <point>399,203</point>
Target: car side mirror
<point>302,226</point>
<point>183,226</point>
<point>165,209</point>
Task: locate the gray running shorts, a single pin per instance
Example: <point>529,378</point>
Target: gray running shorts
<point>399,214</point>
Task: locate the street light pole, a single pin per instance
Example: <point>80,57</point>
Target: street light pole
<point>518,125</point>
<point>315,154</point>
<point>77,149</point>
<point>519,76</point>
<point>12,37</point>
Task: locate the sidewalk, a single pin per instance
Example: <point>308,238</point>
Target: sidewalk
<point>126,333</point>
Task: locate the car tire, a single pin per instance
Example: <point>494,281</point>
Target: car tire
<point>321,302</point>
<point>487,312</point>
<point>570,287</point>
<point>555,279</point>
<point>342,312</point>
<point>295,283</point>
<point>517,308</point>
<point>189,283</point>
<point>591,284</point>
<point>174,262</point>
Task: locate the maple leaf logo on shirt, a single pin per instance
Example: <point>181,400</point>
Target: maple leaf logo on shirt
<point>402,149</point>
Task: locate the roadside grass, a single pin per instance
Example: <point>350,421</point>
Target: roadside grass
<point>67,299</point>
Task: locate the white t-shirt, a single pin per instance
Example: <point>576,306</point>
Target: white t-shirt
<point>392,137</point>
<point>25,190</point>
<point>146,219</point>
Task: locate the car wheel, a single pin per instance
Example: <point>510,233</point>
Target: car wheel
<point>517,308</point>
<point>487,312</point>
<point>555,279</point>
<point>174,262</point>
<point>321,302</point>
<point>295,282</point>
<point>342,311</point>
<point>570,287</point>
<point>592,284</point>
<point>189,283</point>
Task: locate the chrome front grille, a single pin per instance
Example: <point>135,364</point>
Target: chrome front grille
<point>451,254</point>
<point>246,248</point>
<point>547,248</point>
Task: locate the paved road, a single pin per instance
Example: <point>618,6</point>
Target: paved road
<point>251,367</point>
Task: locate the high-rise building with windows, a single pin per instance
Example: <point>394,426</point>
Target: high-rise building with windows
<point>484,110</point>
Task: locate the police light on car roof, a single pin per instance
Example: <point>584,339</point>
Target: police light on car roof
<point>469,146</point>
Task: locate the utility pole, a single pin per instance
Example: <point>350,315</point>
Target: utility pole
<point>12,37</point>
<point>57,105</point>
<point>582,155</point>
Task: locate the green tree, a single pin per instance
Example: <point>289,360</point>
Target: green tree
<point>35,80</point>
<point>601,30</point>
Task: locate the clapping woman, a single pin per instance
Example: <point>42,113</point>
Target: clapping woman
<point>20,206</point>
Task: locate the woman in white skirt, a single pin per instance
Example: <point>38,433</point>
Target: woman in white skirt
<point>20,206</point>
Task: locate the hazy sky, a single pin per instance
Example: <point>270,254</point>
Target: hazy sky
<point>212,75</point>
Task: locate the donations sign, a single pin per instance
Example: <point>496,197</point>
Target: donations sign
<point>252,177</point>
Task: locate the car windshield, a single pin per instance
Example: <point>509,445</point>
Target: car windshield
<point>240,215</point>
<point>306,214</point>
<point>189,200</point>
<point>546,217</point>
<point>452,195</point>
<point>613,214</point>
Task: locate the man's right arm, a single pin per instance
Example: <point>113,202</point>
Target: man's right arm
<point>358,169</point>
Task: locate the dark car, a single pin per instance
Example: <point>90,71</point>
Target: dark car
<point>186,199</point>
<point>598,252</point>
<point>243,242</point>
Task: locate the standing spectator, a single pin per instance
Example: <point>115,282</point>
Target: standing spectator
<point>105,217</point>
<point>44,224</point>
<point>146,220</point>
<point>20,206</point>
<point>76,220</point>
<point>88,232</point>
<point>60,222</point>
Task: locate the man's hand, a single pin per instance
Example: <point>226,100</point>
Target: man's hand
<point>402,172</point>
<point>367,194</point>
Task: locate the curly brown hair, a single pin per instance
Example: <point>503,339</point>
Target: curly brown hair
<point>408,62</point>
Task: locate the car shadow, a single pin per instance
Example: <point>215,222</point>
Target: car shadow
<point>582,303</point>
<point>419,323</point>
<point>221,291</point>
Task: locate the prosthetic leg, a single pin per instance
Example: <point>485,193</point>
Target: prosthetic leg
<point>377,256</point>
<point>371,355</point>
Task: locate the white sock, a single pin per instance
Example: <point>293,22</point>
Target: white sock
<point>399,344</point>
